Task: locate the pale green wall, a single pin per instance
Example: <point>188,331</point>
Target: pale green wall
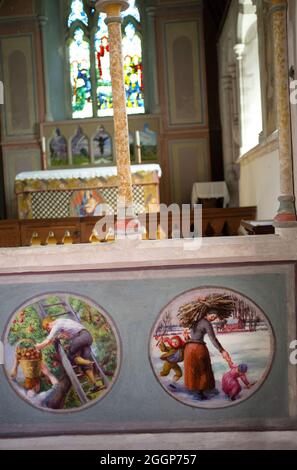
<point>54,49</point>
<point>137,400</point>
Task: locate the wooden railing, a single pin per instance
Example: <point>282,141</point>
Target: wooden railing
<point>15,233</point>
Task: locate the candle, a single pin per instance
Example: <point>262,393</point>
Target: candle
<point>138,147</point>
<point>43,145</point>
<point>137,137</point>
<point>43,148</point>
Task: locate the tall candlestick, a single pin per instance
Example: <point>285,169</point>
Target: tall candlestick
<point>138,147</point>
<point>43,149</point>
<point>137,137</point>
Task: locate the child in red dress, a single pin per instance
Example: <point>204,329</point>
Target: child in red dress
<point>230,382</point>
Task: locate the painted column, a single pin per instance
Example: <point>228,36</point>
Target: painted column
<point>43,22</point>
<point>152,86</point>
<point>286,212</point>
<point>113,10</point>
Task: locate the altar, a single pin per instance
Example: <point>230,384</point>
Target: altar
<point>83,192</point>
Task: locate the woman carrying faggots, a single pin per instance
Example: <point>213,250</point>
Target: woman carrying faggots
<point>197,316</point>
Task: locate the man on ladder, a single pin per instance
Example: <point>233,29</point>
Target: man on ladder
<point>80,341</point>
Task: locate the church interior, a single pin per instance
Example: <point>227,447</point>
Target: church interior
<point>57,115</point>
<point>160,103</point>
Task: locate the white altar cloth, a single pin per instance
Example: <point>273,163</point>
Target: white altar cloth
<point>210,190</point>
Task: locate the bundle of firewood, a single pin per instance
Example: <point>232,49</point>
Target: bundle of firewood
<point>220,304</point>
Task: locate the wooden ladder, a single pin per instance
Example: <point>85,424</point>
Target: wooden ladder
<point>73,371</point>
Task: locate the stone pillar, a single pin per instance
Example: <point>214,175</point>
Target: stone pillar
<point>239,54</point>
<point>113,10</point>
<point>230,128</point>
<point>286,213</point>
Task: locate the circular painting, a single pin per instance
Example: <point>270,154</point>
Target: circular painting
<point>211,348</point>
<point>62,352</point>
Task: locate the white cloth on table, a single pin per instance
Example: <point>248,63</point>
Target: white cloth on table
<point>210,190</point>
<point>84,173</point>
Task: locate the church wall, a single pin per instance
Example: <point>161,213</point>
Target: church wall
<point>175,89</point>
<point>253,176</point>
<point>185,143</point>
<point>55,60</point>
<point>22,74</point>
<point>259,181</point>
<point>229,103</point>
<point>211,27</point>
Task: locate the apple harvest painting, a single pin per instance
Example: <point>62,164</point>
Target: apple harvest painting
<point>211,348</point>
<point>62,352</point>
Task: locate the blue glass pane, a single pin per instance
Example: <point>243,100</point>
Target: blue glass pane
<point>77,13</point>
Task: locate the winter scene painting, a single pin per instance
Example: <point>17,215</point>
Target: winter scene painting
<point>211,348</point>
<point>62,352</point>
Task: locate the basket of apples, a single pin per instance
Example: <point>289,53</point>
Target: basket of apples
<point>29,359</point>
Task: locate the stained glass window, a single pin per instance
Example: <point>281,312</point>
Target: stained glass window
<point>103,89</point>
<point>79,56</point>
<point>132,11</point>
<point>77,13</point>
<point>90,61</point>
<point>133,70</point>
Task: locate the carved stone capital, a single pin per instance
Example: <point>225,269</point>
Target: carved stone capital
<point>112,7</point>
<point>113,19</point>
<point>42,20</point>
<point>150,11</point>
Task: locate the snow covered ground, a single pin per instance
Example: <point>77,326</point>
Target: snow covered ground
<point>251,348</point>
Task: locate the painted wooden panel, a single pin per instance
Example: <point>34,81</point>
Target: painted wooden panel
<point>16,8</point>
<point>16,160</point>
<point>20,107</point>
<point>185,72</point>
<point>189,163</point>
